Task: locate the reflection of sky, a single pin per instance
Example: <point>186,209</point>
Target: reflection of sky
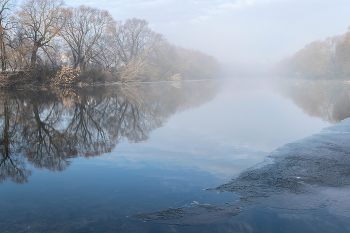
<point>95,196</point>
<point>231,133</point>
<point>196,149</point>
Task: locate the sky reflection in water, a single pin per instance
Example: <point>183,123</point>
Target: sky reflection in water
<point>160,151</point>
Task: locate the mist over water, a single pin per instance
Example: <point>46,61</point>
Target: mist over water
<point>175,116</point>
<point>156,150</point>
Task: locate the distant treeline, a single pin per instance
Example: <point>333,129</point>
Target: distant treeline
<point>44,42</point>
<point>323,59</point>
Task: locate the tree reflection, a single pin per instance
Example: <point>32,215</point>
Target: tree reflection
<point>326,99</point>
<point>48,128</point>
<point>309,174</point>
<point>12,164</point>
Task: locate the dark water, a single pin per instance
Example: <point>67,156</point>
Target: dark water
<point>212,156</point>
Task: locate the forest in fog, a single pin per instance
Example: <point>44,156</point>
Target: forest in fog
<point>322,59</point>
<point>45,42</point>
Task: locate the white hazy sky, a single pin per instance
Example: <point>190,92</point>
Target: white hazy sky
<point>236,30</point>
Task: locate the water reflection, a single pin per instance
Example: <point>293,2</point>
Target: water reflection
<point>309,174</point>
<point>326,99</point>
<point>195,150</point>
<point>47,128</point>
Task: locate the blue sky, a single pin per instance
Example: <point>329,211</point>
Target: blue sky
<point>241,30</point>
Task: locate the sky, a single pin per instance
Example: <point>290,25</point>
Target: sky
<point>263,31</point>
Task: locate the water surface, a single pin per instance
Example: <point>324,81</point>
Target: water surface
<point>92,159</point>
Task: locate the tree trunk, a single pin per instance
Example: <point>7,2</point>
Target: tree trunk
<point>75,63</point>
<point>34,52</point>
<point>2,50</point>
<point>3,56</point>
<point>82,65</point>
<point>81,61</point>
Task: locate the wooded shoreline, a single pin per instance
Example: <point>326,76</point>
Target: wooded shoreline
<point>321,59</point>
<point>44,42</point>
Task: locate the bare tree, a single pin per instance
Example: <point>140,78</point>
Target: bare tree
<point>133,38</point>
<point>40,21</point>
<point>5,7</point>
<point>343,53</point>
<point>84,27</point>
<point>103,53</point>
<point>19,50</point>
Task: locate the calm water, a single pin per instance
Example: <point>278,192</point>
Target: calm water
<point>210,156</point>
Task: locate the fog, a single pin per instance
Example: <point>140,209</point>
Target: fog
<point>244,31</point>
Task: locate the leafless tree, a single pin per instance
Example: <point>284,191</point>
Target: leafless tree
<point>103,53</point>
<point>5,8</point>
<point>83,29</point>
<point>134,38</point>
<point>44,30</point>
<point>40,21</point>
<point>19,51</point>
